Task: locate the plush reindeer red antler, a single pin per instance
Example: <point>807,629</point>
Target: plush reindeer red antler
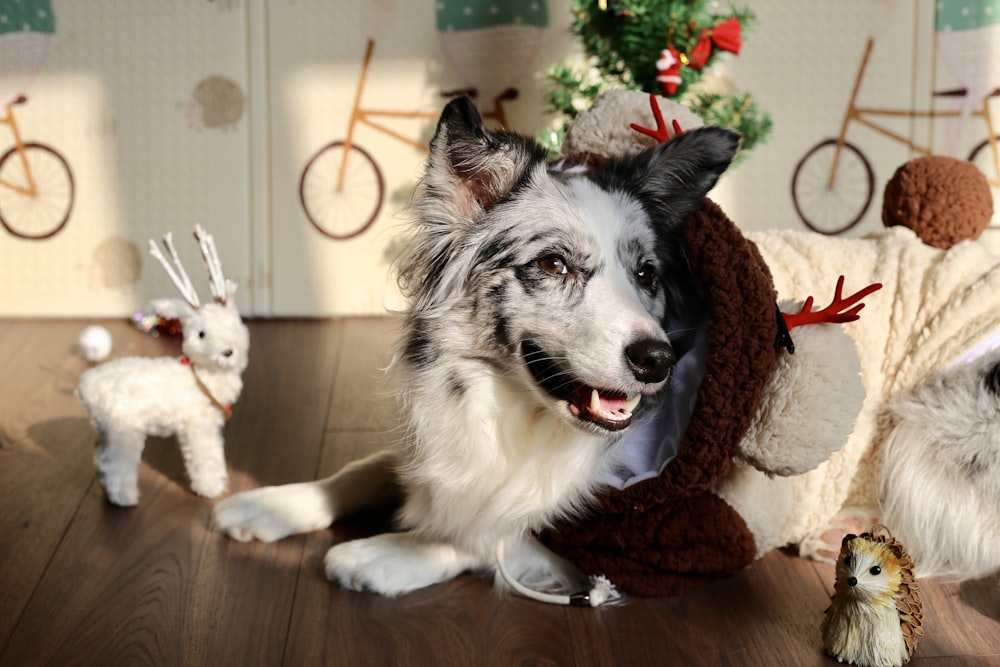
<point>840,310</point>
<point>660,133</point>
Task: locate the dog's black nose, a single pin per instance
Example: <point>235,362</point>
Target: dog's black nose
<point>650,360</point>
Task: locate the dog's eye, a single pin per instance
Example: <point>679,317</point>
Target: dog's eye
<point>201,334</point>
<point>876,570</point>
<point>553,264</point>
<point>646,276</point>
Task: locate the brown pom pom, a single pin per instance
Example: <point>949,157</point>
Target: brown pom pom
<point>943,200</point>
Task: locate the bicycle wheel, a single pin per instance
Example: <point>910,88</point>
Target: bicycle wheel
<point>40,216</point>
<point>344,213</point>
<point>832,208</point>
<point>982,157</point>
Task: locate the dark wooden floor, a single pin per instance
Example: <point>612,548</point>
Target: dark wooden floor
<point>82,582</point>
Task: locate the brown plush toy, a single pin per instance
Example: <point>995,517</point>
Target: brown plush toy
<point>701,516</point>
<point>667,535</point>
<point>942,199</point>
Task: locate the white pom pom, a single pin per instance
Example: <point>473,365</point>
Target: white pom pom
<point>602,591</point>
<point>95,343</point>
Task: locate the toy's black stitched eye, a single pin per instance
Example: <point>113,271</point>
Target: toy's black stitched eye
<point>553,264</point>
<point>876,570</point>
<point>646,276</point>
<point>201,334</point>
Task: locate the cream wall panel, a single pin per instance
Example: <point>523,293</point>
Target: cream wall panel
<point>145,100</point>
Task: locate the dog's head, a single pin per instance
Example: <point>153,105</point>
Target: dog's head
<point>565,281</point>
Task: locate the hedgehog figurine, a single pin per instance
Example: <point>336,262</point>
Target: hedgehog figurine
<point>875,617</point>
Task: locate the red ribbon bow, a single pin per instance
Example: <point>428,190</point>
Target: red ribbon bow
<point>725,36</point>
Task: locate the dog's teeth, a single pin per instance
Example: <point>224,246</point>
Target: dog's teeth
<point>595,401</point>
<point>632,402</point>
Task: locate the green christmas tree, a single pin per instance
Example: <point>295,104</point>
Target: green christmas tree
<point>657,46</point>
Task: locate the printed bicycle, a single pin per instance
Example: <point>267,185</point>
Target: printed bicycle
<point>833,184</point>
<point>36,186</point>
<point>342,188</point>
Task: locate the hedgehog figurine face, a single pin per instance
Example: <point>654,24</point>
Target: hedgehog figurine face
<point>875,617</point>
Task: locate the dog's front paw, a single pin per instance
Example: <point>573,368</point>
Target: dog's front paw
<point>393,564</point>
<point>273,512</point>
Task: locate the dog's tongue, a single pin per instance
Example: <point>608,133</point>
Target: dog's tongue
<point>609,410</point>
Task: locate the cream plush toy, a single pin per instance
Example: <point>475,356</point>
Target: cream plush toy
<point>700,501</point>
<point>191,397</point>
<point>940,308</point>
<point>807,468</point>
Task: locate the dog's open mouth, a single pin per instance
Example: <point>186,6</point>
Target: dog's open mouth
<point>610,410</point>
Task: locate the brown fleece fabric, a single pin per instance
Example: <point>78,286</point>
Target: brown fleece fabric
<point>667,535</point>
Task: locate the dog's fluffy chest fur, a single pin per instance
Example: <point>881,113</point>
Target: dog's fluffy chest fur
<point>499,467</point>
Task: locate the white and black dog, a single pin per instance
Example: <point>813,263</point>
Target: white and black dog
<point>541,309</point>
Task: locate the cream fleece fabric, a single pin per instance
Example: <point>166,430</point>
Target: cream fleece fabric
<point>934,307</point>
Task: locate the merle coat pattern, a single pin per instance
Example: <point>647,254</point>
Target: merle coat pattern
<point>538,332</point>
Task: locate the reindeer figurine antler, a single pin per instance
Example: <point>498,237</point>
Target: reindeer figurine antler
<point>176,273</point>
<point>839,311</point>
<point>217,282</point>
<point>216,279</point>
<point>190,397</point>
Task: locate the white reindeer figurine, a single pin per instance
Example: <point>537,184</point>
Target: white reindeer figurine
<point>190,397</point>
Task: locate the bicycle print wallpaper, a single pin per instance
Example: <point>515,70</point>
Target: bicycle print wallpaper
<point>142,103</point>
<point>132,119</point>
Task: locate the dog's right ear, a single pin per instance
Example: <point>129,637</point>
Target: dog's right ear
<point>683,170</point>
<point>471,169</point>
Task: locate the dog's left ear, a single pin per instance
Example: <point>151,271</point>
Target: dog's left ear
<point>680,172</point>
<point>470,169</point>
